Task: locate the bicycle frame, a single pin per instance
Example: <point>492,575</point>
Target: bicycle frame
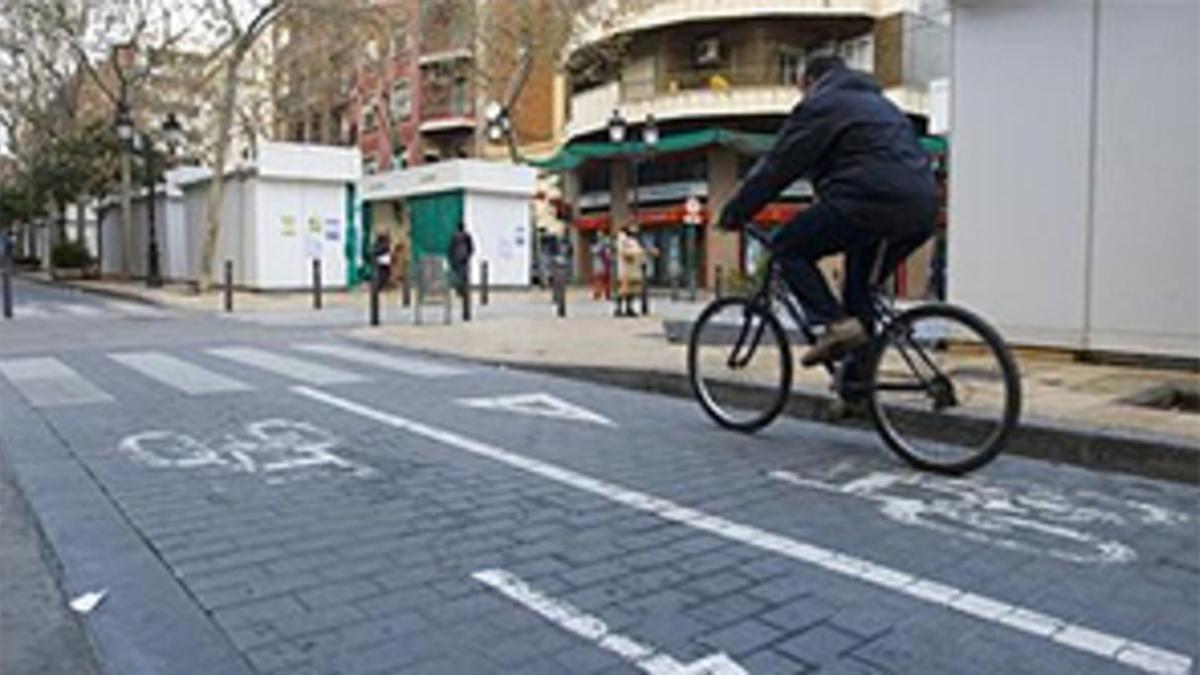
<point>771,290</point>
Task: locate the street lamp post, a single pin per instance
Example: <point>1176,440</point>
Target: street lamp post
<point>125,131</point>
<point>173,132</point>
<point>153,270</point>
<point>616,133</point>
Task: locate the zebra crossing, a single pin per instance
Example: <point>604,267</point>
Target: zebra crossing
<point>79,310</point>
<point>49,382</point>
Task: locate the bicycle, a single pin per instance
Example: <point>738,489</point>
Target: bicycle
<point>907,376</point>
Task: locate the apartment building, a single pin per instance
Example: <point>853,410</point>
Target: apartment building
<point>716,77</point>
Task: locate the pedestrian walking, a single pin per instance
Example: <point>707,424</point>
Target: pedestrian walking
<point>462,248</point>
<point>631,256</point>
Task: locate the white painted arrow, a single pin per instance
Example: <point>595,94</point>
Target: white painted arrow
<point>539,404</point>
<point>566,616</point>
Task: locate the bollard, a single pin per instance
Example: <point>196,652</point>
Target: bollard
<point>316,283</point>
<point>560,291</point>
<point>483,283</point>
<point>717,282</point>
<point>464,292</point>
<point>645,289</point>
<point>406,288</point>
<point>675,287</point>
<point>375,284</point>
<point>228,285</point>
<point>6,291</point>
<point>692,284</point>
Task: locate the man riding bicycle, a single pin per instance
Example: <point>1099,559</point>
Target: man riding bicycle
<point>873,185</point>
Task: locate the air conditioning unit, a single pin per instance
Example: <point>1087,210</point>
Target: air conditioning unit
<point>708,52</point>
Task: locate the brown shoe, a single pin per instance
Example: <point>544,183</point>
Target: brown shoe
<point>839,338</point>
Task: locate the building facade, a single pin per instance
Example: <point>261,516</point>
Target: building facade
<point>407,80</point>
<point>718,79</point>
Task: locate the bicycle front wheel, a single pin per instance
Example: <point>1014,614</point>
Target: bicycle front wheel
<point>740,364</point>
<point>945,390</point>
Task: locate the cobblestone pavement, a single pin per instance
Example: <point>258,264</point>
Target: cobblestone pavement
<point>282,501</point>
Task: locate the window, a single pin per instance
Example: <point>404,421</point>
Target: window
<point>791,65</point>
<point>401,100</point>
<point>400,42</point>
<point>458,100</point>
<point>707,52</point>
<point>859,53</point>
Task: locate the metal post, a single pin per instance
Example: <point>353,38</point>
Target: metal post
<point>376,282</point>
<point>560,291</point>
<point>228,285</point>
<point>316,283</point>
<point>6,291</point>
<point>153,267</point>
<point>717,282</point>
<point>464,291</point>
<point>406,286</point>
<point>483,283</point>
<point>691,261</point>
<point>645,289</point>
<point>674,286</point>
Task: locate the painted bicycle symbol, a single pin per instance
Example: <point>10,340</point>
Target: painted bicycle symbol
<point>273,447</point>
<point>1026,518</point>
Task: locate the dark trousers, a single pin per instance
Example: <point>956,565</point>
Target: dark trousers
<point>820,231</point>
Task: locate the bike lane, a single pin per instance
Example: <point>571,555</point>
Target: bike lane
<point>359,551</point>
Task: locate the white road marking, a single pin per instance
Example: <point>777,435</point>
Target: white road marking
<point>80,310</point>
<point>1026,518</point>
<point>1135,654</point>
<point>370,357</point>
<point>133,308</point>
<point>273,446</point>
<point>30,309</point>
<point>179,374</point>
<point>48,383</point>
<point>593,629</point>
<point>297,369</point>
<point>541,405</point>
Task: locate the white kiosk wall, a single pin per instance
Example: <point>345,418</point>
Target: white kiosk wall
<point>499,226</point>
<point>1074,171</point>
<point>299,222</point>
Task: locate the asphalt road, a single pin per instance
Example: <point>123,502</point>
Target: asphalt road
<point>266,499</point>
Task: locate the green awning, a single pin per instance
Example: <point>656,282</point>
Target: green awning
<point>578,153</point>
<point>745,143</point>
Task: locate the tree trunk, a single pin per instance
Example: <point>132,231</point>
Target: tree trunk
<point>126,215</point>
<point>216,190</point>
<point>81,220</point>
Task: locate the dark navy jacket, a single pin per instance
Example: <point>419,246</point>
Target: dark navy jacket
<point>860,152</point>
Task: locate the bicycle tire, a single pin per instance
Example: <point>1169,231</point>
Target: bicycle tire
<point>1010,378</point>
<point>701,389</point>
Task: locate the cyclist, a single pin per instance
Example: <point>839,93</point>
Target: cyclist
<point>873,184</point>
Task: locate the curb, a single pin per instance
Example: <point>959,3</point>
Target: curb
<point>106,292</point>
<point>1142,454</point>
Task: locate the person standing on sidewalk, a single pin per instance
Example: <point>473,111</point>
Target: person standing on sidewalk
<point>602,262</point>
<point>630,259</point>
<point>462,248</point>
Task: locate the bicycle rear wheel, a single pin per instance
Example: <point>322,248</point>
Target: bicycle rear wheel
<point>945,390</point>
<point>740,364</point>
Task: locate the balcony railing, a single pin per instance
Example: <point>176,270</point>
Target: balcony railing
<point>671,99</point>
<point>447,103</point>
<point>716,79</point>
